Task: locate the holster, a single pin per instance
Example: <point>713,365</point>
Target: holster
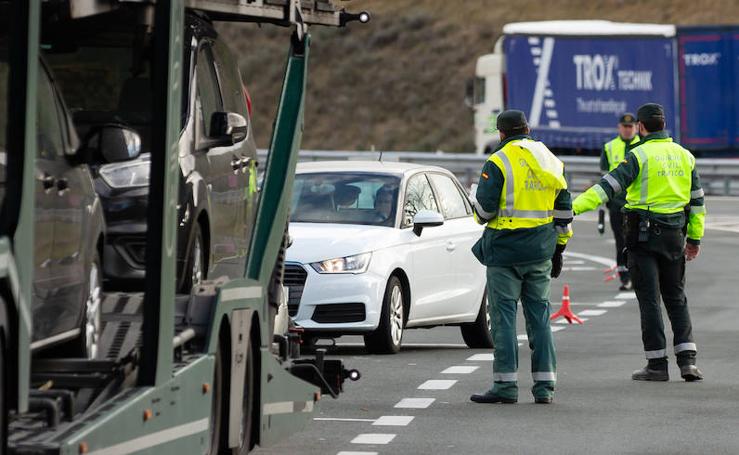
<point>636,228</point>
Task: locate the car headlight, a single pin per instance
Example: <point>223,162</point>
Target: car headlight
<point>126,175</point>
<point>350,264</point>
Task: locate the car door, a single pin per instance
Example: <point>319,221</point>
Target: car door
<point>429,258</point>
<point>54,308</point>
<point>244,197</point>
<point>466,275</point>
<point>218,166</point>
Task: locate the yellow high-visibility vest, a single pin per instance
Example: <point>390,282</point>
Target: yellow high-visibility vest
<point>533,177</point>
<point>665,177</point>
<point>616,151</point>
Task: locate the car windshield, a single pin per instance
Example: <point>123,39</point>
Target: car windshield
<point>345,198</point>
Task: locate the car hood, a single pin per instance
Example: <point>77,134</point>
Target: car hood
<point>314,242</point>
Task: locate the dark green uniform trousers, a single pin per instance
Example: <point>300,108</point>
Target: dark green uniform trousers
<point>530,284</point>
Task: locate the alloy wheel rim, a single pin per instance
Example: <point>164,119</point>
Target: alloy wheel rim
<point>92,314</point>
<point>197,263</point>
<point>396,315</point>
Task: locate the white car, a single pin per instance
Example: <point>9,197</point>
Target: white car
<point>380,247</point>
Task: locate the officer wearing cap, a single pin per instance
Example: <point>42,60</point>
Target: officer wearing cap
<point>664,205</point>
<point>523,200</point>
<point>614,152</point>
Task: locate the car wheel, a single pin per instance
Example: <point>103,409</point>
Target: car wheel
<point>387,337</point>
<point>247,411</point>
<point>87,345</point>
<point>196,263</point>
<point>478,334</point>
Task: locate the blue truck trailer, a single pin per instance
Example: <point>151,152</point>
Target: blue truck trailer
<point>573,79</point>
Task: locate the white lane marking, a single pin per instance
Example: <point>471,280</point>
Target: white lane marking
<point>331,419</point>
<point>393,421</point>
<point>414,403</point>
<point>574,262</point>
<point>481,358</point>
<point>592,312</point>
<point>373,438</point>
<point>522,338</point>
<point>558,328</point>
<point>356,453</point>
<point>579,269</point>
<point>437,384</point>
<point>612,304</point>
<point>626,295</point>
<point>461,369</point>
<point>588,257</point>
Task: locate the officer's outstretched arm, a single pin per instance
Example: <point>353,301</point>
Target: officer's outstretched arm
<point>487,197</point>
<point>563,217</point>
<point>697,215</point>
<point>611,184</point>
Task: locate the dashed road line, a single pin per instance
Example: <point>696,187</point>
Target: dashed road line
<point>564,322</point>
<point>393,421</point>
<point>481,358</point>
<point>374,438</point>
<point>437,384</point>
<point>592,312</point>
<point>558,328</point>
<point>331,419</point>
<point>414,403</point>
<point>612,304</point>
<point>356,453</point>
<point>460,369</point>
<point>626,296</point>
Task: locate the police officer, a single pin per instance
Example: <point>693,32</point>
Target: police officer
<point>664,205</point>
<point>614,152</point>
<point>522,197</point>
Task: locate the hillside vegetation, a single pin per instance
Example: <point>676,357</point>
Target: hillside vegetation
<point>398,82</point>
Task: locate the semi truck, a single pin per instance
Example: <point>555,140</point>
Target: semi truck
<point>573,79</point>
<point>216,370</point>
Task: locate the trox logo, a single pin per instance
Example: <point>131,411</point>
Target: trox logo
<point>601,72</point>
<point>595,72</point>
<point>702,59</point>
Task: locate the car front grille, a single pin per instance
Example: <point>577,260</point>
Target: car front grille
<point>295,276</point>
<point>339,312</point>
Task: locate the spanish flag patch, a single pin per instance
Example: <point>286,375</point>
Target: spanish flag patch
<point>485,176</point>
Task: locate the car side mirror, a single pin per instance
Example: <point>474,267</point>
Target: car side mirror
<point>425,219</point>
<point>114,143</point>
<point>228,128</point>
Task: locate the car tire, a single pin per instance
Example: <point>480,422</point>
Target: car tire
<point>196,264</point>
<point>87,344</point>
<point>387,338</point>
<point>217,409</point>
<point>478,334</point>
<point>247,420</point>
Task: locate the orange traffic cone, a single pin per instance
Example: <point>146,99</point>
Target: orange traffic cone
<point>610,274</point>
<point>565,311</point>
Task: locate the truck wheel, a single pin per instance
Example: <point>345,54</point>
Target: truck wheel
<point>216,408</point>
<point>247,417</point>
<point>195,271</point>
<point>387,337</point>
<point>478,334</point>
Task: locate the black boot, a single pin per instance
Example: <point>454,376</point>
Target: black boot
<point>691,373</point>
<point>490,397</point>
<point>656,370</point>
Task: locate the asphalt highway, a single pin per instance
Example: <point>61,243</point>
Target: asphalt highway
<point>417,402</point>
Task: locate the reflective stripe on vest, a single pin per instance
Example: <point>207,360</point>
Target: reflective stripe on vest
<point>665,177</point>
<point>526,202</point>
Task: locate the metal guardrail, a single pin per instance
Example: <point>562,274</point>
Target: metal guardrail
<point>720,176</point>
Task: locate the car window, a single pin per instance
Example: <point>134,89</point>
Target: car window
<point>49,123</point>
<point>230,79</point>
<point>418,196</point>
<point>450,199</point>
<point>345,198</point>
<point>208,91</point>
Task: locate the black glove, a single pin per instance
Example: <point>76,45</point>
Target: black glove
<point>557,261</point>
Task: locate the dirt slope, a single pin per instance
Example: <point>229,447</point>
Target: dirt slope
<point>398,82</point>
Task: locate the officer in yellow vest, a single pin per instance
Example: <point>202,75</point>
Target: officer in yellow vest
<point>614,152</point>
<point>664,205</point>
<point>522,197</point>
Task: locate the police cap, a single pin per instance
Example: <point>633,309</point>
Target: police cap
<point>627,119</point>
<point>650,111</point>
<point>511,120</point>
